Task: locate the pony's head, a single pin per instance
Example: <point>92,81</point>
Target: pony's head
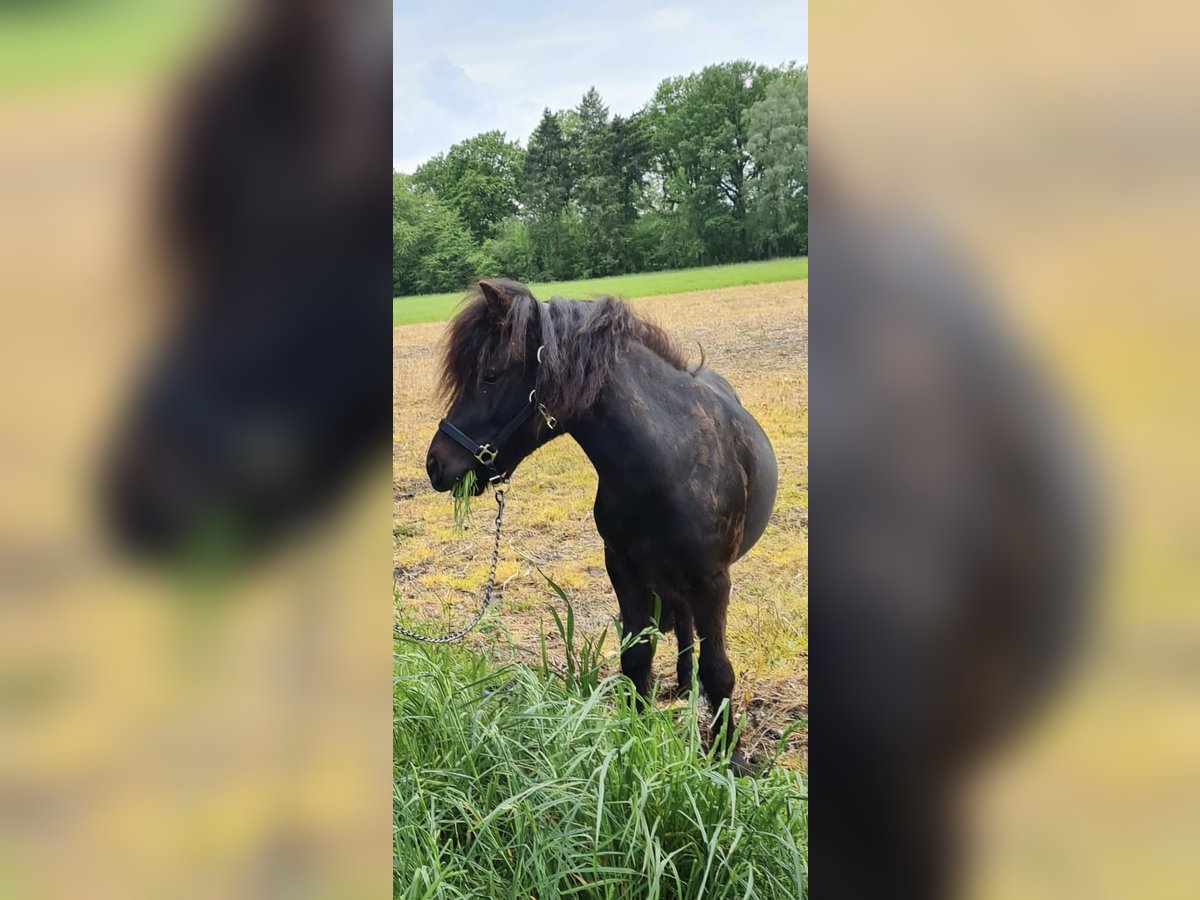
<point>488,377</point>
<point>511,366</point>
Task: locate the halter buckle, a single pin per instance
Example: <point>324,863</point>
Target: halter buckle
<point>551,422</point>
<point>486,454</point>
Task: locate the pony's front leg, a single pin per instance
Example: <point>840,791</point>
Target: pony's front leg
<point>633,596</point>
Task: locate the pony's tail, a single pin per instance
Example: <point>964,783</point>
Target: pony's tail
<point>700,365</point>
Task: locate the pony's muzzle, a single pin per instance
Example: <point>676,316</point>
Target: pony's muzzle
<point>446,463</point>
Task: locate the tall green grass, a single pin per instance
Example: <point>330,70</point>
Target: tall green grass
<point>435,307</point>
<point>512,782</point>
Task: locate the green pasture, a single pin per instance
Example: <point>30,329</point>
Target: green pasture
<point>435,307</point>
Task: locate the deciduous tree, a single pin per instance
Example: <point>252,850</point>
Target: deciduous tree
<point>701,144</point>
<point>479,178</point>
<point>778,141</point>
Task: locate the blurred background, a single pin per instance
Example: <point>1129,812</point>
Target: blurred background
<point>1029,173</point>
<point>194,603</point>
<point>194,531</point>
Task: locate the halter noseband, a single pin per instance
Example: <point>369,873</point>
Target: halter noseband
<point>485,452</point>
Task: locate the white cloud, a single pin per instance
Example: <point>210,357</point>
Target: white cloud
<point>667,19</point>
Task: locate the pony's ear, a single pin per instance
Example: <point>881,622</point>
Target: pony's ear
<point>499,299</point>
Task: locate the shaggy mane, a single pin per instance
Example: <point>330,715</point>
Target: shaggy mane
<point>583,340</point>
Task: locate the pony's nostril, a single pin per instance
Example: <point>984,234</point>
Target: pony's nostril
<point>432,467</point>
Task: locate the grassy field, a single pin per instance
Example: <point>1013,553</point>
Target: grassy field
<point>517,782</point>
<point>435,307</point>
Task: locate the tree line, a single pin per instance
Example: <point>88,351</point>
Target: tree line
<point>713,169</point>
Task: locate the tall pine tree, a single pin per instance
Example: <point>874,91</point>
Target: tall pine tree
<point>597,190</point>
<point>545,191</point>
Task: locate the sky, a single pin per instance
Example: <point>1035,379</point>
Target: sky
<point>461,67</point>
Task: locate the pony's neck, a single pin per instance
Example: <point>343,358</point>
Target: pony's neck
<point>615,430</point>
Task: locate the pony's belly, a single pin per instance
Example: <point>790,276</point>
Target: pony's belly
<point>758,515</point>
<point>763,484</point>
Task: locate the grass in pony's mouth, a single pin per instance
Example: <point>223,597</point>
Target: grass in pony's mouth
<point>463,491</point>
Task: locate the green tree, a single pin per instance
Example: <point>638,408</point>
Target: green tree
<point>545,191</point>
<point>778,141</point>
<point>510,254</point>
<point>631,157</point>
<point>700,141</point>
<point>432,250</point>
<point>480,178</point>
<point>597,185</point>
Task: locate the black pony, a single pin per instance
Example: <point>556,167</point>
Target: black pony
<point>687,476</point>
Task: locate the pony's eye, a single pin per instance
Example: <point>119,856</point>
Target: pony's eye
<point>490,378</point>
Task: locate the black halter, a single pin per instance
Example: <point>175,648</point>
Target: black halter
<point>486,452</point>
<point>481,450</point>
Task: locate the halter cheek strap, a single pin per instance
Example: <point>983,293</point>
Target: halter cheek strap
<point>486,452</point>
<point>483,451</point>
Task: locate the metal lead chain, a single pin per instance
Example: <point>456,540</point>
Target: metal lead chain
<point>488,587</point>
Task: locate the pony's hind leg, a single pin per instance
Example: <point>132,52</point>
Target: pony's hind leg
<point>634,597</point>
<point>685,634</point>
<point>716,672</point>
